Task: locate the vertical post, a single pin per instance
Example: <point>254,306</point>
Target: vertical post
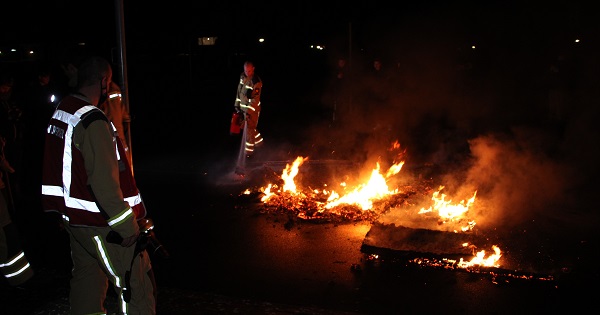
<point>349,44</point>
<point>349,97</point>
<point>120,19</point>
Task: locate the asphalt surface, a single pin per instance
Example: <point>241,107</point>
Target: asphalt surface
<point>231,255</point>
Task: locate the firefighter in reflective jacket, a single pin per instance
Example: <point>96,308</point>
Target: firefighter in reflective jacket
<point>88,181</point>
<point>248,102</point>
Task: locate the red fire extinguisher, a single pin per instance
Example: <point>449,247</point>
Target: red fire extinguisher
<point>236,123</point>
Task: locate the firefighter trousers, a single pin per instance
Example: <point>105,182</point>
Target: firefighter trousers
<point>14,266</point>
<point>96,262</point>
<point>253,138</point>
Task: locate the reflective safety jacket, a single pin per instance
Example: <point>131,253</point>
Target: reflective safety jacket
<point>65,187</point>
<point>248,94</point>
<point>248,101</point>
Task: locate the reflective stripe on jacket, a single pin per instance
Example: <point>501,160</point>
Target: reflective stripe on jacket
<point>65,186</point>
<point>248,93</point>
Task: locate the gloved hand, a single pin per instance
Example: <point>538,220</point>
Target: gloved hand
<point>115,238</point>
<point>130,240</point>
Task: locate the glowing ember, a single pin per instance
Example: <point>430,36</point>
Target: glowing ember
<point>267,193</point>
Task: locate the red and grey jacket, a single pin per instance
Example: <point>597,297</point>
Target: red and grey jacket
<point>248,94</point>
<point>65,186</point>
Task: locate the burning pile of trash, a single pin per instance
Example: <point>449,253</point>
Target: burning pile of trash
<point>369,200</point>
<point>373,200</point>
<point>488,212</point>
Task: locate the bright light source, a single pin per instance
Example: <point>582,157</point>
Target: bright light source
<point>31,52</point>
<point>261,40</point>
<point>13,50</point>
<point>473,47</point>
<point>318,47</point>
<point>577,40</point>
<point>207,41</point>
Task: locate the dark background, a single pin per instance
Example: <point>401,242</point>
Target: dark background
<point>455,106</point>
<point>491,100</point>
<point>516,41</point>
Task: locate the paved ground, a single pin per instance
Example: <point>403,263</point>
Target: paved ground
<point>229,256</point>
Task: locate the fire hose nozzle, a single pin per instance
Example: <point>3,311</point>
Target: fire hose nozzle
<point>148,239</point>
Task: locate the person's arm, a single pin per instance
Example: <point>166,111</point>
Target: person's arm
<point>238,100</point>
<point>255,94</point>
<point>99,153</point>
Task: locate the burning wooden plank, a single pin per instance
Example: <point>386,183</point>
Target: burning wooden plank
<point>410,240</point>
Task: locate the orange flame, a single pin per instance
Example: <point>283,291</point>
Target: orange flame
<point>481,260</point>
<point>290,172</point>
<point>448,211</point>
<point>376,188</point>
<point>363,195</point>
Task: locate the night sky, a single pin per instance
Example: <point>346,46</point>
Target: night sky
<point>515,23</point>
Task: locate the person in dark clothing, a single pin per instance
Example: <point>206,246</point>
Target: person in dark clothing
<point>342,91</point>
<point>11,132</point>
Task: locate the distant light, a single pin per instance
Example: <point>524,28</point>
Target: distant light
<point>31,52</point>
<point>577,40</point>
<point>81,44</point>
<point>207,41</point>
<point>318,47</point>
<point>473,47</point>
<point>261,40</point>
<point>13,50</point>
<point>52,98</point>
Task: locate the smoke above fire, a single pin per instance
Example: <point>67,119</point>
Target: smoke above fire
<point>494,121</point>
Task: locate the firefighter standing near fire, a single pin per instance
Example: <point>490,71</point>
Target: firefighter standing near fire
<point>88,181</point>
<point>247,103</point>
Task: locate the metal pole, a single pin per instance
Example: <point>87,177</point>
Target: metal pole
<point>120,18</point>
<point>350,44</point>
<point>350,65</point>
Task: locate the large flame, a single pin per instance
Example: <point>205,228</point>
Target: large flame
<point>445,208</point>
<point>481,260</point>
<point>448,211</point>
<point>363,196</point>
<point>290,172</point>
